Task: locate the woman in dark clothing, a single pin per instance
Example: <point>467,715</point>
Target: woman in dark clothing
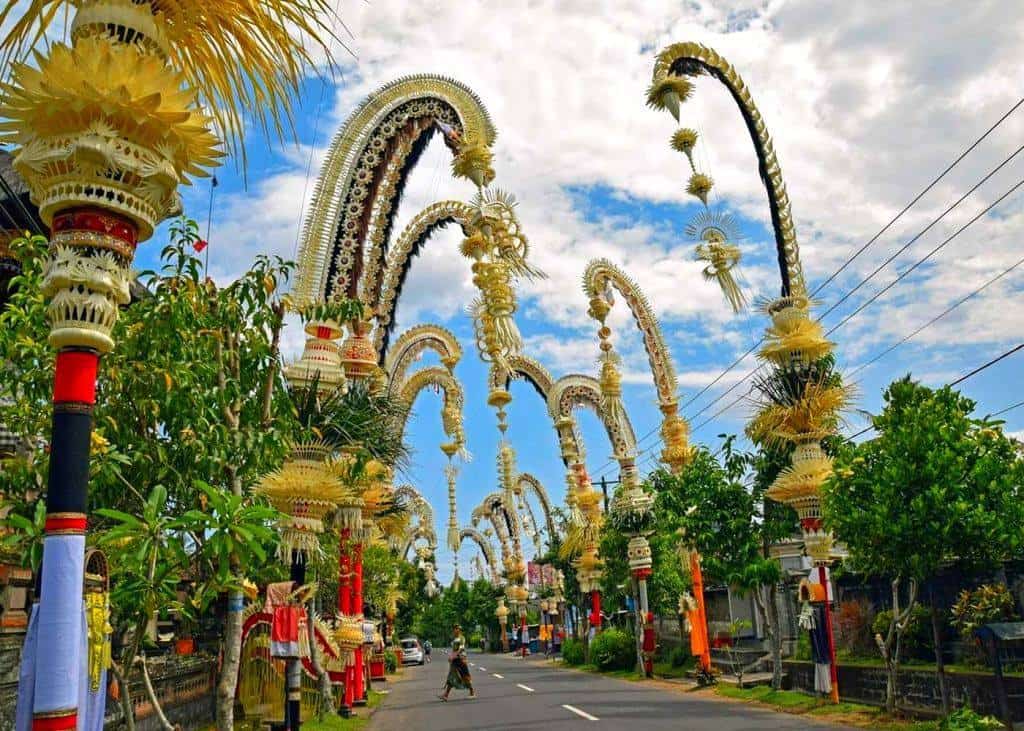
<point>458,668</point>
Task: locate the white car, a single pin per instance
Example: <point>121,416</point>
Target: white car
<point>412,651</point>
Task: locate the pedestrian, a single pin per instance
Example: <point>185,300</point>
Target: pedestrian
<point>458,668</point>
<point>426,650</point>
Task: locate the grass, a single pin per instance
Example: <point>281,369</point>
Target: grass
<point>630,674</point>
<point>791,701</point>
<point>668,670</point>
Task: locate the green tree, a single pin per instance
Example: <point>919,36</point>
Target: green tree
<point>936,486</point>
<point>192,393</point>
<point>147,557</point>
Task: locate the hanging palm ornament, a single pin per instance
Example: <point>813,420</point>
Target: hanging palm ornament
<point>499,250</point>
<point>303,490</point>
<point>715,231</point>
<point>454,540</point>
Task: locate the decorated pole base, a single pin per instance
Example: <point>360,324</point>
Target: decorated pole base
<point>86,279</point>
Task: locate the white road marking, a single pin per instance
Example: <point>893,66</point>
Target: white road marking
<point>482,668</point>
<point>527,688</point>
<point>499,677</point>
<point>578,712</point>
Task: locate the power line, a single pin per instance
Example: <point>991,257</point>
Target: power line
<point>926,257</point>
<point>921,233</point>
<point>963,378</point>
<point>920,195</point>
<point>935,319</point>
<point>992,362</point>
<point>1008,408</point>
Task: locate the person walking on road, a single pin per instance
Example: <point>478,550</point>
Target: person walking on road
<point>426,650</point>
<point>458,668</point>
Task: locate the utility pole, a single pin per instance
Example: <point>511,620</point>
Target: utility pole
<point>604,489</point>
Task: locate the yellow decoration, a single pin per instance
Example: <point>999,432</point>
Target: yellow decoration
<point>793,338</point>
<point>473,161</point>
<point>699,186</point>
<point>303,490</point>
<point>105,124</point>
<point>812,416</point>
<point>97,615</point>
<point>684,140</point>
<point>722,258</point>
<point>243,57</point>
<point>668,92</point>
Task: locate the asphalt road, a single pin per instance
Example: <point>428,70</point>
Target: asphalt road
<point>523,695</point>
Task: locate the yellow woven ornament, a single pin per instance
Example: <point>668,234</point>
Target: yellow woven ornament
<point>668,92</point>
<point>699,186</point>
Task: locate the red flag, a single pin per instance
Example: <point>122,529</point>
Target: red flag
<point>199,245</point>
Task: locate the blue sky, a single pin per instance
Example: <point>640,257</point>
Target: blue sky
<point>866,107</point>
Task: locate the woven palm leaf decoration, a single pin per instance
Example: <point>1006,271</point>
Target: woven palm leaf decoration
<point>715,231</point>
<point>242,57</point>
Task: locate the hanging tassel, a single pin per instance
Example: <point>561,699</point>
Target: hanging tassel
<point>668,92</point>
<point>699,186</point>
<point>722,258</point>
<point>684,140</point>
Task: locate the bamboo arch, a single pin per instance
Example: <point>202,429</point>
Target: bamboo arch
<point>451,410</point>
<point>574,391</point>
<point>368,162</point>
<point>598,279</point>
<point>477,537</point>
<point>423,533</point>
<point>412,343</point>
<point>400,255</point>
<point>692,59</point>
<point>528,483</point>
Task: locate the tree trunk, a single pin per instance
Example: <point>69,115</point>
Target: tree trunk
<point>127,711</point>
<point>229,666</point>
<point>151,694</point>
<point>890,646</point>
<point>940,666</point>
<point>774,630</point>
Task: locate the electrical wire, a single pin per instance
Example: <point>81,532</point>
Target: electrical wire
<point>965,377</point>
<point>920,195</point>
<point>935,319</point>
<point>925,258</point>
<point>922,232</point>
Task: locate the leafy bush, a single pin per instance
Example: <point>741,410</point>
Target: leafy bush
<point>474,639</point>
<point>572,651</point>
<point>803,647</point>
<point>853,627</point>
<point>967,720</point>
<point>917,643</point>
<point>988,603</point>
<point>680,657</point>
<point>390,661</point>
<point>613,649</point>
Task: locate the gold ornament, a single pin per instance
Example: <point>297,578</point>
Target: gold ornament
<point>303,490</point>
<point>715,231</point>
<point>128,133</point>
<point>668,92</point>
<point>243,55</point>
<point>699,186</point>
<point>684,140</point>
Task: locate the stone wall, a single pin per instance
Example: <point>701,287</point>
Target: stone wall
<point>186,688</point>
<point>917,689</point>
